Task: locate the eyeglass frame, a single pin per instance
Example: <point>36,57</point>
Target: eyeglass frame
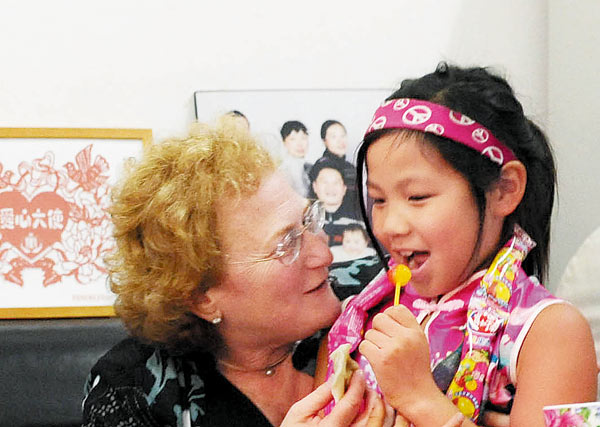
<point>313,220</point>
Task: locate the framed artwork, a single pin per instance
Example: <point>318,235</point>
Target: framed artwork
<point>54,228</point>
<point>314,134</point>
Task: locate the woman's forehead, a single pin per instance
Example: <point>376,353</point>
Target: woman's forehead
<point>273,206</point>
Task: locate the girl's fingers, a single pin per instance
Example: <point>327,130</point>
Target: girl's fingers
<point>376,337</point>
<point>369,350</point>
<point>382,322</point>
<point>455,421</point>
<point>396,315</point>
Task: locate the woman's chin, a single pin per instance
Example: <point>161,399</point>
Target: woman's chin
<point>332,307</point>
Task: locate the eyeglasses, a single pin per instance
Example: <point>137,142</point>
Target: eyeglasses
<point>288,249</point>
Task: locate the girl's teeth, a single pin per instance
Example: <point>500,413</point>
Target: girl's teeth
<point>417,259</point>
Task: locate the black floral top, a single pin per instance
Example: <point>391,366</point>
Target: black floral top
<point>136,385</point>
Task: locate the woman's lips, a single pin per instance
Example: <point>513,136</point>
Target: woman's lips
<point>325,283</point>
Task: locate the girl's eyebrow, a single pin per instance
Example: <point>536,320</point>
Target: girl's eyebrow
<point>401,182</point>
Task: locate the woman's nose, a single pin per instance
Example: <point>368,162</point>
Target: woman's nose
<point>317,250</point>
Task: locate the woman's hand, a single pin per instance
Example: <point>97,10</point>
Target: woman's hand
<point>308,411</point>
<point>495,419</point>
<point>377,413</point>
<point>398,352</point>
<point>455,421</point>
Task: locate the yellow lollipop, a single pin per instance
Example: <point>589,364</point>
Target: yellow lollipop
<point>399,276</point>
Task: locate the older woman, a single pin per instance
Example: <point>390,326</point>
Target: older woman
<point>220,272</point>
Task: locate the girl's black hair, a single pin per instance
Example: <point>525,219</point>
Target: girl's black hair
<point>488,99</point>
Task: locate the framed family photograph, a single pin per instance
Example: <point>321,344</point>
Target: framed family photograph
<point>54,227</point>
<point>266,111</point>
<point>314,135</point>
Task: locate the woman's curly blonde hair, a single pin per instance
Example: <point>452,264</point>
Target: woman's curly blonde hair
<point>167,249</point>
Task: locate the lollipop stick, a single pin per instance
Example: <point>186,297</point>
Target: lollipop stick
<point>397,294</point>
<point>400,276</point>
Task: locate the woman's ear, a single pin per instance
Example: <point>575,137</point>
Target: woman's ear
<point>204,306</point>
<point>509,190</point>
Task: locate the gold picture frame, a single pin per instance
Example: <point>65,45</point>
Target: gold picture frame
<point>54,229</point>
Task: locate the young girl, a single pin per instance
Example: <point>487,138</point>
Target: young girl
<point>462,186</point>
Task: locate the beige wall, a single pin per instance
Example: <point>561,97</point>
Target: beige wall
<point>573,124</point>
<point>129,63</point>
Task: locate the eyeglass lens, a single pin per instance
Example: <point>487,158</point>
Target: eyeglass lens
<point>313,221</point>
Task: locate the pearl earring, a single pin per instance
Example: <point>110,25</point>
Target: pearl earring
<point>217,320</point>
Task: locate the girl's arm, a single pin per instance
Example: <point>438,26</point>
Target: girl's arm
<point>557,364</point>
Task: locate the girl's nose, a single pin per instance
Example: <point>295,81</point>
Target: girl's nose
<point>393,222</point>
<point>317,249</point>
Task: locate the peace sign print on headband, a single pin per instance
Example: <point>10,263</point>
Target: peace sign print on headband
<point>416,115</point>
<point>424,116</point>
<point>480,135</point>
<point>460,119</point>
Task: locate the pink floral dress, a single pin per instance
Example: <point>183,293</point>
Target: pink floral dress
<point>446,321</point>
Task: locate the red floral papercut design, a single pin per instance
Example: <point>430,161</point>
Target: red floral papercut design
<point>55,219</point>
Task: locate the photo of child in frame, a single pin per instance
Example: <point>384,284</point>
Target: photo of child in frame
<point>355,244</point>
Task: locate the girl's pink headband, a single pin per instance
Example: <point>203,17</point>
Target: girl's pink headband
<point>416,114</point>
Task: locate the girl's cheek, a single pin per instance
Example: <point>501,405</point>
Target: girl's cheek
<point>377,229</point>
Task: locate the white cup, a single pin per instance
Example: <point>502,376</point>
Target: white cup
<point>573,415</point>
